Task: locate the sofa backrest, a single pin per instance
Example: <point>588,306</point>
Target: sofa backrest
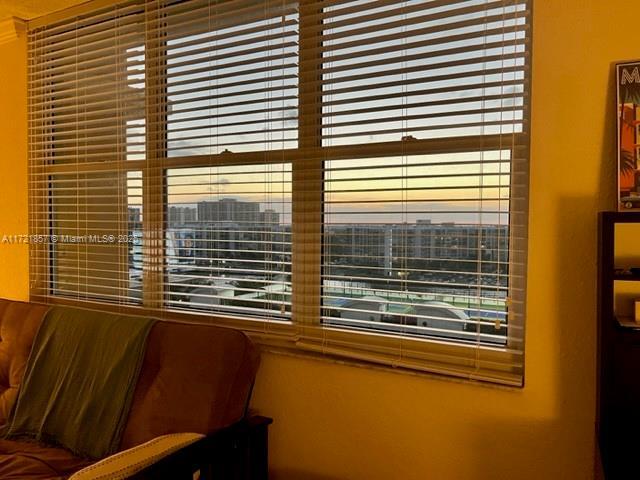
<point>194,378</point>
<point>19,323</point>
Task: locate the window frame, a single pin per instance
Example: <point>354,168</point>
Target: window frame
<point>305,332</point>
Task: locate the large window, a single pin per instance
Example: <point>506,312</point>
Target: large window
<point>345,177</point>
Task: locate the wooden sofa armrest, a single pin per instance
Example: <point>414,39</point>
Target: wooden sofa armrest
<point>238,452</point>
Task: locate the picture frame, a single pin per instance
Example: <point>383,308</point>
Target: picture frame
<point>628,134</point>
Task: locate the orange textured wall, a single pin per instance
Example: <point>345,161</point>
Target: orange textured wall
<point>335,421</point>
<point>14,258</point>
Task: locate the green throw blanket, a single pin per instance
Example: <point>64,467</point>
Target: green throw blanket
<point>79,381</point>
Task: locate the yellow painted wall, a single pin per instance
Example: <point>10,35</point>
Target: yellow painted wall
<point>14,259</point>
<point>341,422</point>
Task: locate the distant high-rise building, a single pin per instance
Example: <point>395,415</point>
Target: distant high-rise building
<point>182,215</point>
<point>393,247</point>
<point>229,210</point>
<point>270,217</point>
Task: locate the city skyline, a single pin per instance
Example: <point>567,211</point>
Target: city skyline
<point>464,218</point>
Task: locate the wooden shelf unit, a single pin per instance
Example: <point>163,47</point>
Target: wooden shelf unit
<point>624,277</point>
<point>618,373</point>
<point>627,322</point>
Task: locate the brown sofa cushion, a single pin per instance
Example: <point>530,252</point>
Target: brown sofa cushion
<point>195,378</point>
<point>19,323</point>
<point>21,460</point>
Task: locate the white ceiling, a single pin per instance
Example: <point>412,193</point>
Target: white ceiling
<point>29,9</point>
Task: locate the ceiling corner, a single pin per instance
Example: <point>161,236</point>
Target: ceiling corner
<point>11,28</point>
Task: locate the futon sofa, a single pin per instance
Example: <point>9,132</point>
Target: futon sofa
<point>188,416</point>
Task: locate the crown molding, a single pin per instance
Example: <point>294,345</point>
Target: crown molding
<point>11,29</point>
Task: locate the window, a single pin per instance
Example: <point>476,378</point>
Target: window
<point>345,177</point>
<point>228,239</point>
<point>419,246</point>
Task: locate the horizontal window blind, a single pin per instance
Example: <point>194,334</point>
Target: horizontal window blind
<point>420,246</point>
<point>422,69</point>
<point>228,239</point>
<point>232,77</point>
<point>430,245</point>
<point>86,111</point>
<point>89,238</point>
<point>351,174</point>
<point>86,88</point>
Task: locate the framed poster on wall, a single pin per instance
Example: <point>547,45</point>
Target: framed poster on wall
<point>628,131</point>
